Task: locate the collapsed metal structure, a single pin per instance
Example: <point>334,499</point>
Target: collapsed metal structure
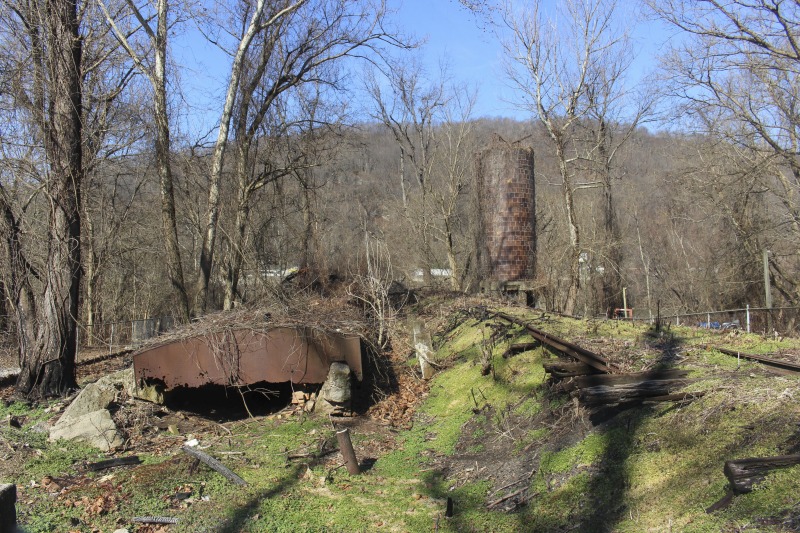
<point>239,357</point>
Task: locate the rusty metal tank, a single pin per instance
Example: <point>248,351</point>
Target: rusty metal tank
<point>240,357</point>
<point>507,201</point>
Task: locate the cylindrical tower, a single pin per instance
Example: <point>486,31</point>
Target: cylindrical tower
<point>508,207</point>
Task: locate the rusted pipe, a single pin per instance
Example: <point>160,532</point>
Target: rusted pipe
<point>348,454</point>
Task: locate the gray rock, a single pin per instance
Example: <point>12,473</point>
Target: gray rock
<point>95,428</point>
<point>100,394</point>
<point>337,386</point>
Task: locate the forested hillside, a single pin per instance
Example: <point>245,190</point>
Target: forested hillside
<point>338,157</point>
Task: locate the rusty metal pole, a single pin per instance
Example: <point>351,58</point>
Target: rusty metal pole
<point>348,454</point>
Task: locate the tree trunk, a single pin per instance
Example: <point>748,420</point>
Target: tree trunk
<point>218,159</point>
<point>47,357</point>
<point>612,282</point>
<point>574,232</point>
<point>236,258</point>
<point>169,224</point>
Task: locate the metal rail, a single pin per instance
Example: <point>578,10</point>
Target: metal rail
<point>588,357</point>
<point>783,365</point>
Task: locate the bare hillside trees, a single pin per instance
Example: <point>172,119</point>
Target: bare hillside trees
<point>279,85</point>
<point>736,74</point>
<point>568,70</point>
<point>430,121</point>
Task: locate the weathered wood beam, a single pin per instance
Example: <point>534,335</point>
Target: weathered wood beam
<point>744,473</point>
<point>625,392</point>
<point>624,379</point>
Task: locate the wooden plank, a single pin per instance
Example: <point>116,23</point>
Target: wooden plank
<point>622,379</point>
<point>519,348</point>
<point>567,366</point>
<point>743,473</point>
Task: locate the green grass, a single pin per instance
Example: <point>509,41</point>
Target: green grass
<point>652,468</point>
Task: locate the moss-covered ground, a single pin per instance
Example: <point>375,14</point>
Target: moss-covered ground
<point>510,452</point>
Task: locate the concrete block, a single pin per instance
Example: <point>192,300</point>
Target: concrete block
<point>8,511</point>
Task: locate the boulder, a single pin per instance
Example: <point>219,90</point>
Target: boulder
<point>100,394</point>
<point>337,387</point>
<point>95,428</point>
<point>87,418</point>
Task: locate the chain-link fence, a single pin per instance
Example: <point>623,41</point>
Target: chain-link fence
<point>123,334</point>
<point>776,320</point>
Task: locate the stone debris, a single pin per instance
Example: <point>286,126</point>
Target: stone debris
<point>87,418</point>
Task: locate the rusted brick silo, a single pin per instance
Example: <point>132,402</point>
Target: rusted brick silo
<point>507,201</point>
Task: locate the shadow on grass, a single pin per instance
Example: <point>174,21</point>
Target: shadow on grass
<point>603,503</point>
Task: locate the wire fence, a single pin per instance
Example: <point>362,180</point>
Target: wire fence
<point>123,334</point>
<point>775,320</point>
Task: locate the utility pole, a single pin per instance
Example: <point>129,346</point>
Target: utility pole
<point>767,291</point>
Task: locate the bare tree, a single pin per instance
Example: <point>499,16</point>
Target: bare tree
<point>301,48</point>
<point>410,109</point>
<point>561,68</point>
<point>149,55</point>
<point>264,18</point>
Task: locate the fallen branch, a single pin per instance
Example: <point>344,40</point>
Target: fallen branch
<point>314,455</point>
<point>517,482</point>
<point>110,463</point>
<point>506,497</point>
<point>214,464</point>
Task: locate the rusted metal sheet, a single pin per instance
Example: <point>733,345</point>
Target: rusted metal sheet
<point>243,356</point>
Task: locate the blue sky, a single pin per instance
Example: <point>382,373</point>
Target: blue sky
<point>471,49</point>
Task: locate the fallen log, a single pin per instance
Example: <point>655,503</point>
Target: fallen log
<point>111,463</point>
<point>520,347</point>
<point>744,473</point>
<point>626,392</point>
<point>214,464</point>
<point>594,380</point>
<point>561,366</point>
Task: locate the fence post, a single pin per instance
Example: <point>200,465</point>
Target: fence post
<point>748,318</point>
<point>708,320</point>
<point>111,344</point>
